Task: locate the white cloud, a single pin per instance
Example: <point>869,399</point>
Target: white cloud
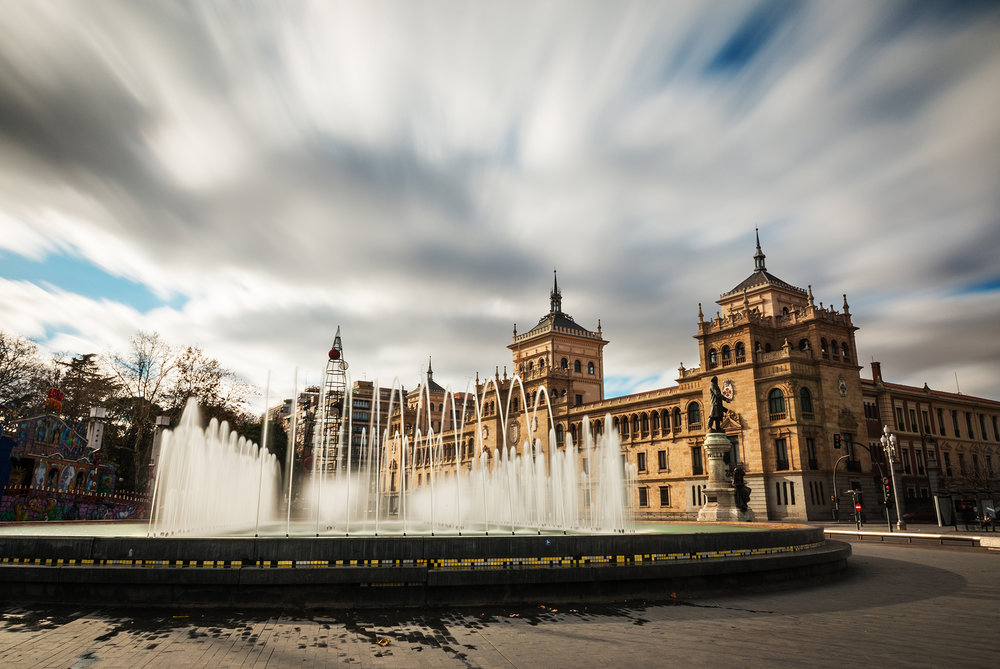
<point>415,172</point>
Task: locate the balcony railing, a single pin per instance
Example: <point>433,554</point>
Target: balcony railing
<point>778,416</point>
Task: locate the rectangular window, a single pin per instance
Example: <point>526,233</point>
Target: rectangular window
<point>664,495</point>
<point>906,461</point>
<point>927,423</point>
<point>643,497</point>
<point>975,463</point>
<point>791,489</point>
<point>696,464</point>
<point>777,492</point>
<point>781,450</point>
<point>982,426</point>
<point>954,422</point>
<point>784,488</point>
<point>989,465</point>
<point>913,420</point>
<point>940,415</point>
<point>947,464</point>
<point>900,420</point>
<point>640,461</point>
<point>996,433</point>
<point>920,463</point>
<point>968,424</point>
<point>579,400</point>
<point>961,463</point>
<point>661,460</point>
<point>811,450</point>
<point>734,450</point>
<point>821,495</point>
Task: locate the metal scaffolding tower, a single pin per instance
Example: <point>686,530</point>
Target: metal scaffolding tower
<point>331,411</point>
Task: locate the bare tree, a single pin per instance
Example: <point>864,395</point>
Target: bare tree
<point>144,373</point>
<point>219,391</point>
<point>22,372</point>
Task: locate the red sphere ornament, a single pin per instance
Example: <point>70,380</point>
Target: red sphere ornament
<point>334,354</point>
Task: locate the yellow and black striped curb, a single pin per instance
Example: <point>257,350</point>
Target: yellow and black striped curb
<point>431,564</point>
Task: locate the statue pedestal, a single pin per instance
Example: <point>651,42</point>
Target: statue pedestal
<point>719,494</point>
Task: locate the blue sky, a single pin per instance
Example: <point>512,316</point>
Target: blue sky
<point>246,179</point>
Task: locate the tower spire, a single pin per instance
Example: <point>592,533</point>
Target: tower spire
<point>555,297</point>
<point>430,372</point>
<point>758,257</point>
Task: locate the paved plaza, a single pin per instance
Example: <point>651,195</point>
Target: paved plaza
<point>898,606</point>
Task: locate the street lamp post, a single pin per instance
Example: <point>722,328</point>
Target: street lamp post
<point>889,444</point>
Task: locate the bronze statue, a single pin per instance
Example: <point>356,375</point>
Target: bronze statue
<point>718,410</point>
<point>742,489</point>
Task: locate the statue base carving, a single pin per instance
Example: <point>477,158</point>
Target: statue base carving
<point>720,494</point>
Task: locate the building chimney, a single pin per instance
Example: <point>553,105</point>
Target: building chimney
<point>876,371</point>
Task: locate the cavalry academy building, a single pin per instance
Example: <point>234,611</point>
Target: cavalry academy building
<point>799,410</point>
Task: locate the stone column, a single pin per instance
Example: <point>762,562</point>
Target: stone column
<point>720,496</point>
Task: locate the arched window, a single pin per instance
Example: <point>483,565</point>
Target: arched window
<point>845,352</point>
<point>677,418</point>
<point>713,358</point>
<point>559,434</point>
<point>666,419</point>
<point>572,433</point>
<point>564,363</point>
<point>531,366</point>
<point>614,423</point>
<point>541,364</point>
<point>694,414</point>
<point>656,421</point>
<point>727,355</point>
<point>644,420</point>
<point>776,403</point>
<point>590,368</point>
<point>767,348</point>
<point>834,348</point>
<point>624,426</point>
<point>576,366</point>
<point>803,344</point>
<point>741,352</point>
<point>806,400</point>
<point>635,424</point>
<point>823,348</point>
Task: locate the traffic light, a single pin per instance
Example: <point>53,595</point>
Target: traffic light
<point>836,440</point>
<point>886,489</point>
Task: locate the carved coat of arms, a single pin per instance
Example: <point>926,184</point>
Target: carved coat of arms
<point>728,389</point>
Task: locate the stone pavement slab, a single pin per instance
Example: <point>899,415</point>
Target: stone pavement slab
<point>897,606</point>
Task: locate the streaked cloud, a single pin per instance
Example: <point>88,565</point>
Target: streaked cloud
<point>247,178</point>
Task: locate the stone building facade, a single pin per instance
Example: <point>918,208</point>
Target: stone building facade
<point>802,421</point>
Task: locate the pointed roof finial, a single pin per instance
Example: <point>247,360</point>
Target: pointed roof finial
<point>430,372</point>
<point>555,297</point>
<point>337,350</point>
<point>847,308</point>
<point>758,257</point>
<point>812,303</point>
<point>701,316</point>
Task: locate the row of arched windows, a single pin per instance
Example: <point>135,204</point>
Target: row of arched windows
<point>661,421</point>
<point>727,354</point>
<point>563,364</point>
<point>776,402</point>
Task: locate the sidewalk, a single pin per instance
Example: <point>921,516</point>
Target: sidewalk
<point>974,536</point>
